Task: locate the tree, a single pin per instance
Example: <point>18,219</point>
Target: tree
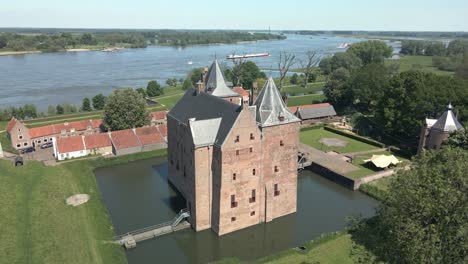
<point>325,65</point>
<point>457,47</point>
<point>435,49</point>
<point>99,101</point>
<point>196,76</point>
<point>142,91</point>
<point>86,105</point>
<point>457,139</point>
<point>51,110</point>
<point>335,90</point>
<point>3,42</point>
<point>237,70</point>
<point>294,79</point>
<point>187,84</point>
<point>462,70</point>
<point>124,109</point>
<point>60,110</point>
<point>248,73</point>
<point>154,89</point>
<point>345,60</point>
<point>88,39</point>
<point>29,111</point>
<point>171,82</point>
<point>423,218</point>
<point>372,51</point>
<point>308,64</point>
<point>286,61</point>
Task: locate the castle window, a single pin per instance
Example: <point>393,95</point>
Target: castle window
<point>276,169</point>
<point>19,129</point>
<point>252,213</point>
<point>281,143</point>
<point>233,201</point>
<point>45,139</point>
<point>253,172</point>
<point>252,199</point>
<point>185,173</point>
<point>20,137</point>
<point>237,139</point>
<point>277,192</point>
<point>251,150</point>
<point>281,118</point>
<point>25,143</point>
<point>237,152</point>
<point>252,136</point>
<point>234,176</point>
<point>177,166</point>
<point>233,219</point>
<point>18,145</point>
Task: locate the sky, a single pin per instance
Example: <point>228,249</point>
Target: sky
<point>401,15</point>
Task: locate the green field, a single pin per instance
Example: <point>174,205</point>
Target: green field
<point>6,143</point>
<point>38,227</point>
<point>377,189</point>
<point>311,88</point>
<point>312,138</point>
<point>306,99</point>
<point>423,63</point>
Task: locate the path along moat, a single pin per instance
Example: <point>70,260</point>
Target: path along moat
<point>137,195</point>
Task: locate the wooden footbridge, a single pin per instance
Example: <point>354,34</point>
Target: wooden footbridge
<point>130,239</point>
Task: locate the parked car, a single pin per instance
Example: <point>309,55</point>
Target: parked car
<point>28,150</point>
<point>46,145</point>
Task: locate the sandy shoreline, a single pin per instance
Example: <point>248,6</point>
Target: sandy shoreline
<point>4,53</point>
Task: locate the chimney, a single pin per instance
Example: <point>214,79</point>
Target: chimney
<point>200,87</point>
<point>285,99</point>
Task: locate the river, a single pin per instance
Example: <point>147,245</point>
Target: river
<point>137,195</point>
<point>53,78</point>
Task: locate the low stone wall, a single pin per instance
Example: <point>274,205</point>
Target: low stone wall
<point>333,176</point>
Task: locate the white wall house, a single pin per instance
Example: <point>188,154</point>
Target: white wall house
<point>69,147</point>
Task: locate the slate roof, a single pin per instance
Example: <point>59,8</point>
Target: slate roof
<point>314,111</point>
<point>271,109</point>
<point>204,131</point>
<point>215,83</point>
<point>203,106</point>
<point>447,122</point>
<point>70,144</point>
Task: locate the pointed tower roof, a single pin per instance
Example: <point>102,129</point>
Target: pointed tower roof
<point>448,121</point>
<point>271,110</point>
<point>215,83</point>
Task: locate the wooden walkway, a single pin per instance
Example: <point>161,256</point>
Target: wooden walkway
<point>130,239</point>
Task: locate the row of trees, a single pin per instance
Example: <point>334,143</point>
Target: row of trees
<point>62,41</point>
<point>183,38</point>
<point>433,48</point>
<point>394,103</point>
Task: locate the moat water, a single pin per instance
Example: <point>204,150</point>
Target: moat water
<point>137,195</point>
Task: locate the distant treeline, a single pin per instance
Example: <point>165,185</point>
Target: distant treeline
<point>395,34</point>
<point>445,57</point>
<point>49,40</point>
<point>209,37</point>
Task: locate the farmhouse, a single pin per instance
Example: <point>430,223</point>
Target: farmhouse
<point>98,144</point>
<point>235,164</point>
<point>70,147</point>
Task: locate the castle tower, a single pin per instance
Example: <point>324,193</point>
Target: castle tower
<point>280,142</point>
<point>436,131</point>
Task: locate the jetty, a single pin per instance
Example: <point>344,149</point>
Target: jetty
<point>130,239</point>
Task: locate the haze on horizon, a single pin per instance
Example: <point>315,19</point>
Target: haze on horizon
<point>418,15</point>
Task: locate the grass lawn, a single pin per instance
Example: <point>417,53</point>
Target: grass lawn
<point>312,137</point>
<point>417,62</point>
<point>337,248</point>
<point>311,88</point>
<point>367,169</point>
<point>306,99</point>
<point>3,125</point>
<point>6,143</point>
<point>38,227</point>
<point>170,101</point>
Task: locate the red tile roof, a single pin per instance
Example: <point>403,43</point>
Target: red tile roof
<point>49,130</point>
<point>11,124</point>
<point>163,129</point>
<point>294,108</point>
<point>97,141</point>
<point>70,144</point>
<point>159,115</point>
<point>240,91</point>
<point>149,135</point>
<point>124,139</point>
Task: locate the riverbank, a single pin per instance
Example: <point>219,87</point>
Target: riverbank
<point>40,226</point>
<point>97,48</point>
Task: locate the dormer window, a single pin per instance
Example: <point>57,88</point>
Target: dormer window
<point>281,118</point>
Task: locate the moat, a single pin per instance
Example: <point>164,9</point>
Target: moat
<point>137,195</point>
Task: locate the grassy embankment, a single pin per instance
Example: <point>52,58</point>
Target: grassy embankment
<point>423,63</point>
<point>40,228</point>
<point>366,169</point>
<point>312,138</point>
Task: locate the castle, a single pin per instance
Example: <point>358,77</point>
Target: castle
<point>435,131</point>
<point>235,163</point>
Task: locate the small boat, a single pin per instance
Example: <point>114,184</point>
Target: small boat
<point>190,62</point>
<point>344,45</point>
<point>246,56</point>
